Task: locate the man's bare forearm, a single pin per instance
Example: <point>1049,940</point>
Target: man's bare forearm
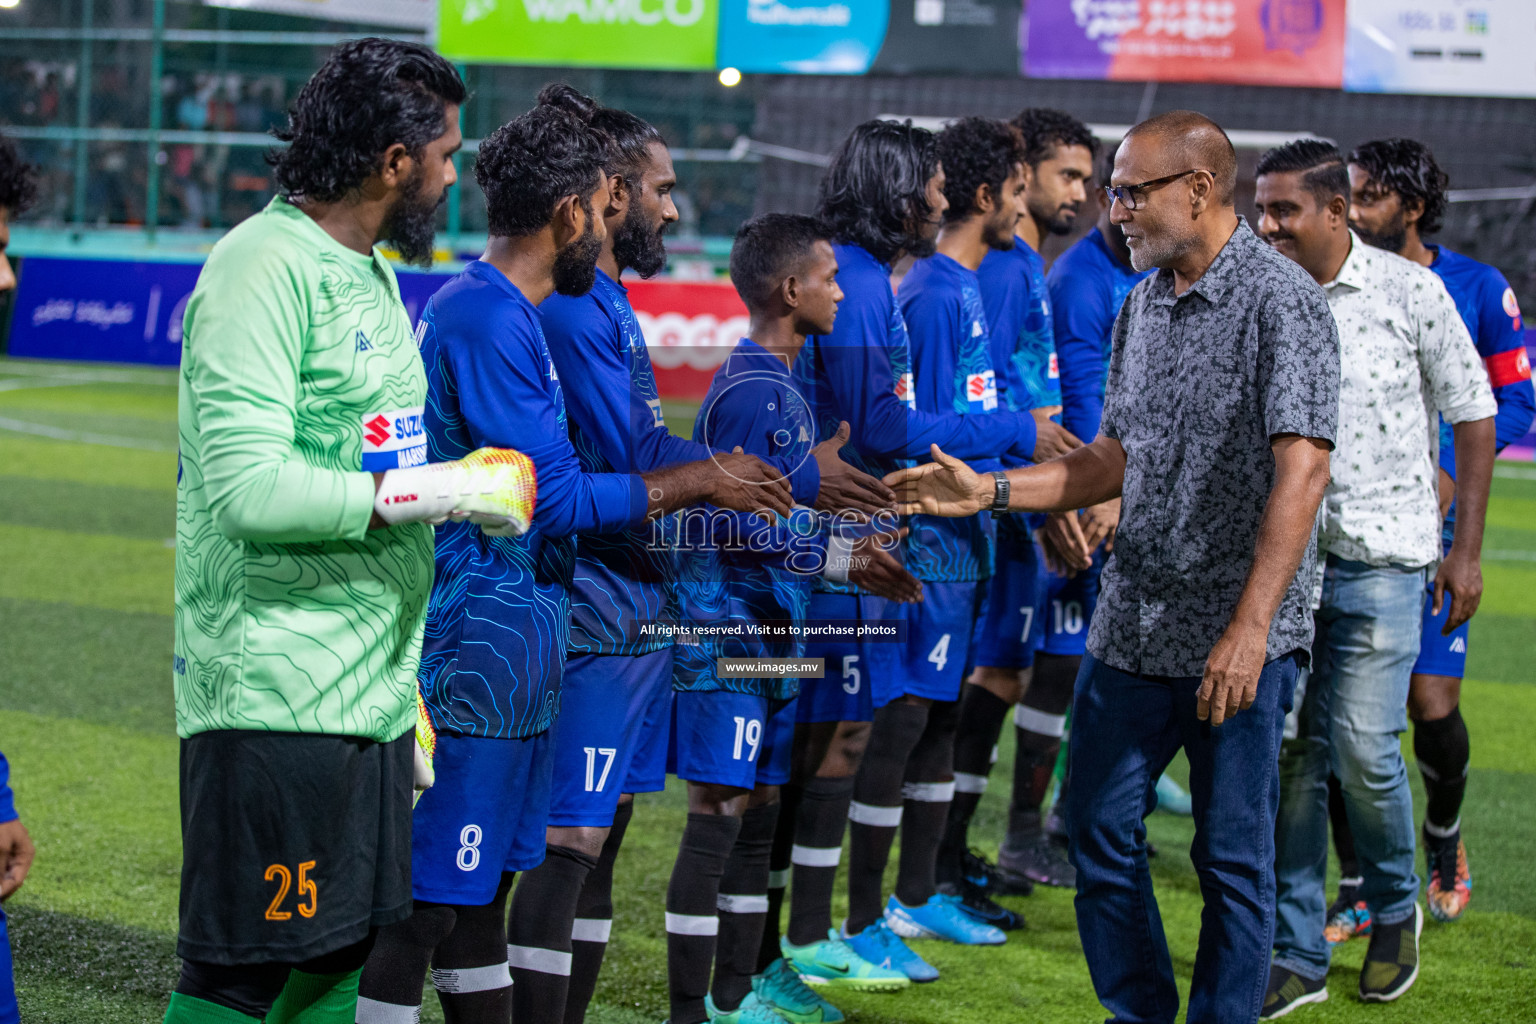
<point>1301,477</point>
<point>1083,477</point>
<point>1476,443</point>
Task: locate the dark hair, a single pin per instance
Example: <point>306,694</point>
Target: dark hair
<point>1321,164</point>
<point>875,193</point>
<point>1407,167</point>
<point>367,96</point>
<point>976,151</point>
<point>768,249</point>
<point>1044,129</point>
<point>18,179</point>
<point>1197,142</point>
<point>529,164</point>
<point>626,138</point>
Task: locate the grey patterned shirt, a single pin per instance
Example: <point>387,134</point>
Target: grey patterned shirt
<point>1198,385</point>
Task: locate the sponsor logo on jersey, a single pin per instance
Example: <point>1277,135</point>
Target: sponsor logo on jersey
<point>1053,371</point>
<point>394,438</point>
<point>363,344</point>
<point>981,391</point>
<point>1512,306</point>
<point>656,416</point>
<point>976,329</point>
<point>906,390</point>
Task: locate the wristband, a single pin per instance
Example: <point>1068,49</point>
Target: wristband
<point>839,559</point>
<point>1000,496</point>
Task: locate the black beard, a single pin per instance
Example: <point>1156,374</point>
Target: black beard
<point>1058,220</point>
<point>411,225</point>
<point>1392,239</point>
<point>1000,238</point>
<point>637,247</point>
<point>576,265</point>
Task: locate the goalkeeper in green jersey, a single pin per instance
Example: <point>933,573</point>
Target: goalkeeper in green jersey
<point>303,550</point>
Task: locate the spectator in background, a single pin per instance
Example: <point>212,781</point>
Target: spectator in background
<point>18,187</point>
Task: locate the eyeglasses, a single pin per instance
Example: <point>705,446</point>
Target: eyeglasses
<point>1130,196</point>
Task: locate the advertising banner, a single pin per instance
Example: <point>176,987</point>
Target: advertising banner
<point>1262,42</point>
<point>1444,47</point>
<point>850,37</point>
<point>126,312</point>
<point>413,14</point>
<point>668,35</point>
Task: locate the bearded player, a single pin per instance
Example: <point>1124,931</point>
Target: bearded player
<point>303,554</point>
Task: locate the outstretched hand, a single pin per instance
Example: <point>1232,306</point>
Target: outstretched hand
<point>844,488</point>
<point>16,853</point>
<point>745,483</point>
<point>944,487</point>
<point>876,568</point>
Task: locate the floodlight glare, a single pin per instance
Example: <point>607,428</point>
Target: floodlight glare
<point>728,76</point>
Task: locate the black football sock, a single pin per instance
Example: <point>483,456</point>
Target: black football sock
<point>395,974</point>
<point>539,933</point>
<point>815,854</point>
<point>1039,722</point>
<point>469,969</point>
<point>1343,841</point>
<point>778,875</point>
<point>982,714</point>
<point>743,907</point>
<point>594,920</point>
<point>926,793</point>
<point>1443,750</point>
<point>877,806</point>
<point>692,917</point>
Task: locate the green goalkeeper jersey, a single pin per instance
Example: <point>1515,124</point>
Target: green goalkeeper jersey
<point>299,375</point>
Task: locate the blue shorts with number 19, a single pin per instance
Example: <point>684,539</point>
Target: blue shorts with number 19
<point>731,739</point>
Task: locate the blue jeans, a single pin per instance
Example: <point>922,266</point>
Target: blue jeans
<point>1349,723</point>
<point>1125,730</point>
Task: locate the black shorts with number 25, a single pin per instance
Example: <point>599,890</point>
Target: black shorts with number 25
<point>293,845</point>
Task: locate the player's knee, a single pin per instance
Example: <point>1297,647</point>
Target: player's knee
<point>846,751</point>
<point>587,839</point>
<point>1006,684</point>
<point>763,795</point>
<point>1431,698</point>
<point>714,799</point>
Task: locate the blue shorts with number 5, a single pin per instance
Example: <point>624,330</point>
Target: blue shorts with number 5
<point>731,739</point>
<point>857,670</point>
<point>485,814</point>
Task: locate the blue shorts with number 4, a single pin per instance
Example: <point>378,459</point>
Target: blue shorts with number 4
<point>1010,632</point>
<point>485,814</point>
<point>611,736</point>
<point>731,739</point>
<point>1441,655</point>
<point>857,670</point>
<point>940,649</point>
<point>1067,609</point>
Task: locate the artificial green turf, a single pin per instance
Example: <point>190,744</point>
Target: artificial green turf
<point>86,720</point>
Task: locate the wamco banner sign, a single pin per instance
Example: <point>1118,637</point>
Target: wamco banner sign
<point>674,35</point>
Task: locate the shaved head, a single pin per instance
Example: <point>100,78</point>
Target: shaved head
<point>1193,141</point>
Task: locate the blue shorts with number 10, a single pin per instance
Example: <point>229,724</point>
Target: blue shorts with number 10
<point>1067,609</point>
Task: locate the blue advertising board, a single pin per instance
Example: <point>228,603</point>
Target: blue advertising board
<point>120,311</point>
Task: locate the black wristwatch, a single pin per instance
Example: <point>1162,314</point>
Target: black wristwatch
<point>1000,496</point>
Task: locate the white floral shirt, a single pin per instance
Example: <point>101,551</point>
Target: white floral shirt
<point>1405,354</point>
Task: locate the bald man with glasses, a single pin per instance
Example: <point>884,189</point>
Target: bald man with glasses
<point>1219,417</point>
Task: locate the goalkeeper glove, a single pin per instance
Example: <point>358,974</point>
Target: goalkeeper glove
<point>424,750</point>
<point>495,488</point>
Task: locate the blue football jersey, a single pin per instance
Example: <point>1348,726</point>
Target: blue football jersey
<point>735,570</point>
<point>1019,315</point>
<point>952,363</point>
<point>499,613</point>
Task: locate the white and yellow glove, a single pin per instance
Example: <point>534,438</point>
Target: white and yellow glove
<point>425,750</point>
<point>495,488</point>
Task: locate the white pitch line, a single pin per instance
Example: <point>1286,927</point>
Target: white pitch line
<point>1510,472</point>
<point>166,378</point>
<point>83,436</point>
<point>1509,556</point>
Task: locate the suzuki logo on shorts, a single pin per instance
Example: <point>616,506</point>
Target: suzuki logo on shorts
<point>377,430</point>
